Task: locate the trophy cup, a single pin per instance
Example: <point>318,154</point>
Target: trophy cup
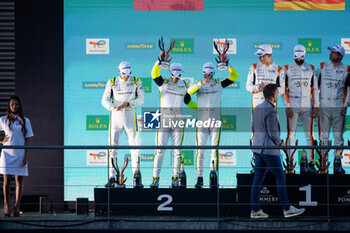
<point>120,180</point>
<point>289,165</point>
<point>323,163</point>
<point>164,60</point>
<point>223,61</point>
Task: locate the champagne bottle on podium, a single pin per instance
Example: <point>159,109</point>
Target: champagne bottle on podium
<point>303,163</point>
<point>337,165</point>
<point>213,177</point>
<point>182,176</point>
<point>137,175</point>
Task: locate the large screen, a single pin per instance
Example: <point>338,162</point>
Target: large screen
<point>98,35</point>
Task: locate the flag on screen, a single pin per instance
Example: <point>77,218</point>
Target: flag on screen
<point>309,5</point>
<point>168,5</point>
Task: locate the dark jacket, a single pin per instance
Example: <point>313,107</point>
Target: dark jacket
<point>265,128</point>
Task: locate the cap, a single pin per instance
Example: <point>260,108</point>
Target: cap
<point>299,51</point>
<point>337,48</point>
<point>176,70</point>
<point>264,49</point>
<point>125,68</point>
<point>208,68</point>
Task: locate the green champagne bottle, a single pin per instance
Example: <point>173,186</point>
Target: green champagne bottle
<point>137,175</point>
<point>213,177</point>
<point>182,176</point>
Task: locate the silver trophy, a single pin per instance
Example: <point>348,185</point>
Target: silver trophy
<point>164,59</point>
<point>222,61</point>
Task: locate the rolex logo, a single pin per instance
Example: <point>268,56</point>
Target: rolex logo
<point>182,43</point>
<point>98,120</point>
<point>309,43</point>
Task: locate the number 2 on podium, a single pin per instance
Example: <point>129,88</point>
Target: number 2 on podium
<point>163,206</point>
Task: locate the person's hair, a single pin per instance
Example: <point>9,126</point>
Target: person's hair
<point>270,90</point>
<point>20,114</point>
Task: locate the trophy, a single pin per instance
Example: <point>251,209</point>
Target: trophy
<point>120,180</point>
<point>223,61</point>
<point>289,165</point>
<point>164,59</point>
<point>323,163</point>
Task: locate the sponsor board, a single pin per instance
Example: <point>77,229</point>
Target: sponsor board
<point>147,84</point>
<point>220,42</point>
<point>94,85</point>
<point>97,122</point>
<point>274,45</point>
<point>183,45</point>
<point>346,158</point>
<point>143,157</point>
<point>345,42</point>
<point>227,158</point>
<point>187,156</point>
<point>96,158</point>
<point>140,45</point>
<point>312,45</point>
<point>97,46</point>
<point>228,123</point>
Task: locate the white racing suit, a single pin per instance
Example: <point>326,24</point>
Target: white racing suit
<point>116,92</point>
<point>208,96</point>
<point>333,84</point>
<point>260,73</point>
<point>301,95</point>
<point>172,95</point>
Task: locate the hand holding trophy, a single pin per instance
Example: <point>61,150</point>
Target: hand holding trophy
<point>164,56</point>
<point>223,61</point>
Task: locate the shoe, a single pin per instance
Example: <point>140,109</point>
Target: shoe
<point>293,212</point>
<point>111,182</point>
<point>199,183</point>
<point>311,169</point>
<point>155,183</point>
<point>174,182</point>
<point>258,214</point>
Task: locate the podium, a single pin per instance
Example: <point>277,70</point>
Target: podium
<point>203,202</point>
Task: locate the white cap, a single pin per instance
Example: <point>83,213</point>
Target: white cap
<point>176,70</point>
<point>264,49</point>
<point>337,48</point>
<point>208,68</point>
<point>299,51</point>
<point>125,68</point>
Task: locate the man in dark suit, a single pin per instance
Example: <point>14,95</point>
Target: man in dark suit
<point>266,132</point>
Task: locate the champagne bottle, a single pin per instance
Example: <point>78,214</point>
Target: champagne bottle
<point>337,166</point>
<point>137,175</point>
<point>182,176</point>
<point>303,163</point>
<point>213,177</point>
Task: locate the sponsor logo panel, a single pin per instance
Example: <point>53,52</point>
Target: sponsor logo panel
<point>97,46</point>
<point>312,45</point>
<point>96,158</point>
<point>183,45</point>
<point>97,122</point>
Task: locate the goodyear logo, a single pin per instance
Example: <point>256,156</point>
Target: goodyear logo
<point>275,45</point>
<point>143,157</point>
<point>97,122</point>
<point>139,45</point>
<point>183,45</point>
<point>94,85</point>
<point>312,45</point>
